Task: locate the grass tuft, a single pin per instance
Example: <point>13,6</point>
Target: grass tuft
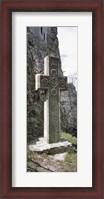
<point>69,137</point>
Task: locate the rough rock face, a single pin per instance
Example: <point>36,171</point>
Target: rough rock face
<point>42,42</point>
<point>69,110</point>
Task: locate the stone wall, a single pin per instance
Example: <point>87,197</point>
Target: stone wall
<point>42,42</point>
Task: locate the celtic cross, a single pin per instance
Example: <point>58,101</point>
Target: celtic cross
<point>52,83</point>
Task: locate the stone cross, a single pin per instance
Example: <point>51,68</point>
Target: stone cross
<point>52,84</point>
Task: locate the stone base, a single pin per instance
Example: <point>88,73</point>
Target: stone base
<point>42,146</point>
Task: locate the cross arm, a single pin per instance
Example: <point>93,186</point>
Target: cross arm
<point>63,83</point>
<point>41,82</point>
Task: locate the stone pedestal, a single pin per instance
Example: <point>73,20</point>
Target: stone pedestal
<point>41,146</point>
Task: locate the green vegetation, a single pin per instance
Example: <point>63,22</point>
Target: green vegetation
<point>34,155</point>
<point>69,137</point>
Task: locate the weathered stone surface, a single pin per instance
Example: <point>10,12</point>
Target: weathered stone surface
<point>60,157</point>
<point>46,164</point>
<point>52,83</point>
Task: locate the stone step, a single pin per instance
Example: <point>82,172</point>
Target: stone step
<point>43,147</point>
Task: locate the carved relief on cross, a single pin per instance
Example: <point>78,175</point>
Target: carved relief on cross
<point>51,82</point>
